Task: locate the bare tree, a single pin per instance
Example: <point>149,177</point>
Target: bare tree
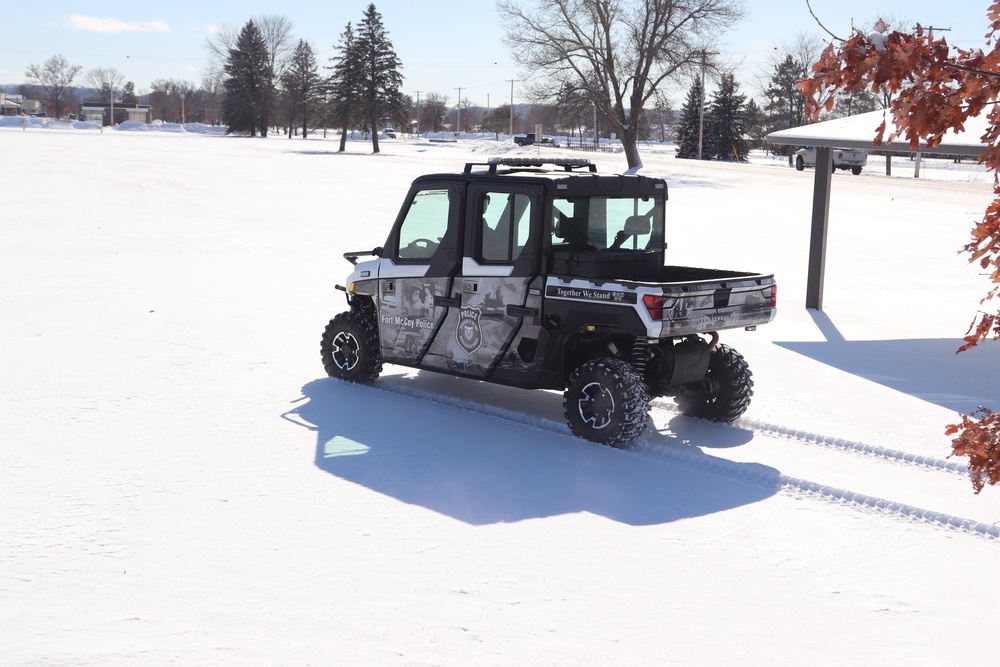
<point>433,110</point>
<point>54,77</point>
<point>277,33</point>
<point>167,97</point>
<point>218,45</point>
<point>105,80</point>
<point>619,51</point>
<point>213,90</point>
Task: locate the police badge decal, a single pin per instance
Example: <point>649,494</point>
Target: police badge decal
<point>469,333</point>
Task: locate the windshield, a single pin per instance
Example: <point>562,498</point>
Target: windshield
<point>608,223</point>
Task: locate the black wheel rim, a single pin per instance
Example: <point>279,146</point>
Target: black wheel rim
<point>346,350</point>
<point>596,406</point>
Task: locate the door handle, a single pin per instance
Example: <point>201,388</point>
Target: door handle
<point>447,301</point>
<point>521,311</point>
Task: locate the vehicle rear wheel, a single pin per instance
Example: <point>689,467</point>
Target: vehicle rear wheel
<point>800,164</point>
<point>350,348</point>
<point>606,401</point>
<point>856,171</point>
<point>725,392</point>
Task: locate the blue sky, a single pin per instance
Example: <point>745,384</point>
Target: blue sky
<point>443,46</point>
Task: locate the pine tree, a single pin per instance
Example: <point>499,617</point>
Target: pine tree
<point>301,82</point>
<point>129,98</point>
<point>344,84</point>
<point>687,129</point>
<point>785,104</point>
<point>727,122</point>
<point>380,77</point>
<point>244,105</point>
<point>755,124</point>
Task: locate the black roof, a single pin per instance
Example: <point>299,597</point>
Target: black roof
<point>563,176</point>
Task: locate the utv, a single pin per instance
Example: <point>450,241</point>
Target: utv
<point>544,274</point>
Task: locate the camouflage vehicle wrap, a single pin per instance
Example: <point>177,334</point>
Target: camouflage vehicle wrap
<point>548,275</point>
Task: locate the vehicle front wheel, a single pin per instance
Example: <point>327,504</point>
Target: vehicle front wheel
<point>350,348</point>
<point>725,392</point>
<point>800,164</point>
<point>606,401</point>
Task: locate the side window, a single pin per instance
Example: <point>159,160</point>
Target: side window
<point>504,225</point>
<point>569,224</point>
<point>425,225</point>
<point>634,219</point>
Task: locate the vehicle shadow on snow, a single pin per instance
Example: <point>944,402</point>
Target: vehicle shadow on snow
<point>925,368</point>
<point>481,469</point>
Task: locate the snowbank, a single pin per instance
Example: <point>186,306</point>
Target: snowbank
<point>33,123</point>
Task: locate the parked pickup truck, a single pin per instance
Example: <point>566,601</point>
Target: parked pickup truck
<point>529,139</point>
<point>843,158</point>
<point>526,273</point>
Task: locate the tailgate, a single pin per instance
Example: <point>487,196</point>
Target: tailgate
<point>711,305</point>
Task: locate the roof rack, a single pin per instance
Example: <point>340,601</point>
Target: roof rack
<point>567,164</point>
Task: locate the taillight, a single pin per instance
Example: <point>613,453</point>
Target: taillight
<point>774,295</point>
<point>654,304</point>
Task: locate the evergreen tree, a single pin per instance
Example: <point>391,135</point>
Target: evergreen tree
<point>302,84</point>
<point>380,77</point>
<point>756,128</point>
<point>129,98</point>
<point>244,105</point>
<point>727,122</point>
<point>785,105</point>
<point>344,84</point>
<point>687,129</point>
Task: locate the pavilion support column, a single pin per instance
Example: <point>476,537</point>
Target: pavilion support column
<point>820,220</point>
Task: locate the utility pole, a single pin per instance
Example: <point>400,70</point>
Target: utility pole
<point>597,137</point>
<point>458,122</point>
<point>701,104</point>
<point>512,82</point>
<point>418,111</point>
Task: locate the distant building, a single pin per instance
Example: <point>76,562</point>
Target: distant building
<point>28,107</point>
<point>97,112</point>
<point>9,106</point>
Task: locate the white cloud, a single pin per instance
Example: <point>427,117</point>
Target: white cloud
<point>96,24</point>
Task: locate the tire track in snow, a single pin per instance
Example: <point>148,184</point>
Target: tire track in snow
<point>696,459</point>
<point>797,486</point>
<point>853,446</point>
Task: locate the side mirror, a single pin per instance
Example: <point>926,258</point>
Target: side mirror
<point>637,225</point>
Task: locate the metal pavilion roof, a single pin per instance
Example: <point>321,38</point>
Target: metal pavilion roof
<point>858,132</point>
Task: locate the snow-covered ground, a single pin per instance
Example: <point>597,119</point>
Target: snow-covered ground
<point>180,485</point>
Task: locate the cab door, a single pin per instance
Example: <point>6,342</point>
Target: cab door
<point>501,257</point>
<point>415,284</point>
